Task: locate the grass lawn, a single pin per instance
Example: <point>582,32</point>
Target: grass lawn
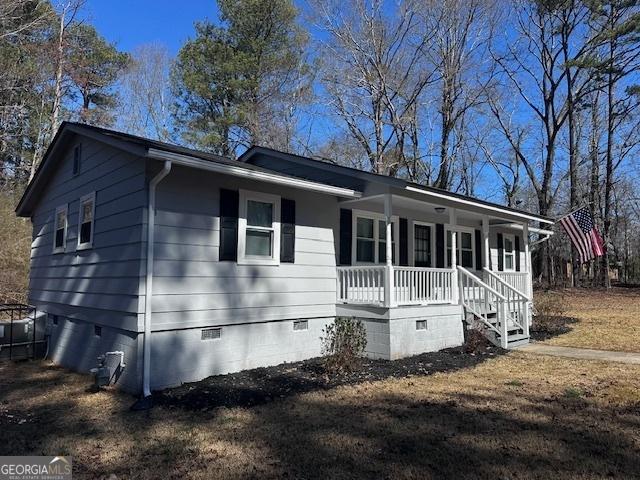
<point>514,416</point>
<point>607,320</point>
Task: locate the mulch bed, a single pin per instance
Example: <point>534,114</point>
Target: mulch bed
<point>263,385</point>
<point>545,328</point>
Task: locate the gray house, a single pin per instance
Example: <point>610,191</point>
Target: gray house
<point>188,264</point>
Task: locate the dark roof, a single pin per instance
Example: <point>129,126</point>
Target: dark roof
<point>131,141</point>
<point>375,177</point>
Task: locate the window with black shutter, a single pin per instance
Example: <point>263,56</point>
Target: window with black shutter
<point>229,202</point>
<point>287,230</point>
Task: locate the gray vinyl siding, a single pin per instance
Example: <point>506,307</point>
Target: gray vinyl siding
<point>193,289</point>
<point>99,284</point>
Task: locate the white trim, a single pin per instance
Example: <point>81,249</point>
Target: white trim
<point>92,197</point>
<point>432,239</point>
<point>243,259</point>
<point>395,220</point>
<point>62,208</point>
<point>244,172</point>
<point>477,204</point>
<point>512,238</point>
<point>448,227</point>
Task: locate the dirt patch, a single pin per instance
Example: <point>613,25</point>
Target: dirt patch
<point>263,385</point>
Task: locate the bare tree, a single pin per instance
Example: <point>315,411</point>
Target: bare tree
<point>374,72</point>
<point>146,93</point>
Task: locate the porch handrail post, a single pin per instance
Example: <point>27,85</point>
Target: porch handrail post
<point>389,290</point>
<point>486,250</point>
<point>455,294</point>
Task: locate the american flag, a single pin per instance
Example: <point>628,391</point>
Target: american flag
<point>584,236</point>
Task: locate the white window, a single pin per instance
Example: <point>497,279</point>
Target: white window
<point>60,229</point>
<point>259,229</point>
<point>509,252</point>
<point>370,238</point>
<point>465,248</point>
<point>86,215</point>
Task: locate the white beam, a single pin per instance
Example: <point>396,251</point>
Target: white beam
<point>485,242</point>
<point>389,294</point>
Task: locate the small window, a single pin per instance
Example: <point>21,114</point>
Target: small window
<point>60,230</point>
<point>85,221</point>
<point>259,229</point>
<point>54,319</point>
<point>421,324</point>
<point>300,325</point>
<point>97,330</point>
<point>464,249</point>
<point>211,333</point>
<point>77,159</point>
<point>365,241</point>
<point>371,240</point>
<point>509,252</point>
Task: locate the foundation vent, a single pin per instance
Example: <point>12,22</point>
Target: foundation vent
<point>421,324</point>
<point>211,333</point>
<point>300,325</point>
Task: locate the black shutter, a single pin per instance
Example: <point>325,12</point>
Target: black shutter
<point>440,245</point>
<point>345,236</point>
<point>287,231</point>
<point>404,242</point>
<point>500,253</point>
<point>479,250</point>
<point>229,201</point>
<point>517,248</point>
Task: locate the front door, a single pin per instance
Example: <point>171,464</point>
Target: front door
<point>422,246</point>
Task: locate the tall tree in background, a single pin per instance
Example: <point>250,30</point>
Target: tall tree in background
<point>145,93</point>
<point>93,68</point>
<point>617,24</point>
<point>234,82</point>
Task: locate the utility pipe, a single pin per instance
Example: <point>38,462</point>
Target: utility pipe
<point>151,217</point>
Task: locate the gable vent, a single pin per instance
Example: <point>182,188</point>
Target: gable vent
<point>211,333</point>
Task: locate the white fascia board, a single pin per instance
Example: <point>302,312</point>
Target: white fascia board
<point>236,171</point>
<point>483,206</point>
<point>539,231</point>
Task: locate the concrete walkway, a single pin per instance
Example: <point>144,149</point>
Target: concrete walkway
<point>584,353</point>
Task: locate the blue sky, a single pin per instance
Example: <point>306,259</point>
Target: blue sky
<point>129,23</point>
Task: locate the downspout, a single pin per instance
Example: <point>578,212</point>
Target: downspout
<point>151,212</point>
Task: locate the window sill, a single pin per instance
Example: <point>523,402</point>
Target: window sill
<point>259,261</point>
<point>84,246</point>
<point>57,251</point>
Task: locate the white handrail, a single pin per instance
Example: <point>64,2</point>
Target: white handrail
<point>479,280</point>
<point>504,283</point>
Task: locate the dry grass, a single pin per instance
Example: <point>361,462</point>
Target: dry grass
<point>607,320</point>
<point>519,415</point>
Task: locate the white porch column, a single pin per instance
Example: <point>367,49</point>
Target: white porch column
<point>527,260</point>
<point>486,250</point>
<point>389,290</point>
<point>454,254</point>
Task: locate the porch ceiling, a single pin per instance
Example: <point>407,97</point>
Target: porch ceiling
<point>427,208</point>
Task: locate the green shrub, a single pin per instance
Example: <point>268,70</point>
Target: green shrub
<point>343,343</point>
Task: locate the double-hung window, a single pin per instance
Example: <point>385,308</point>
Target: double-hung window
<point>259,228</point>
<point>464,248</point>
<point>371,239</point>
<point>509,252</point>
<point>60,229</point>
<point>86,216</point>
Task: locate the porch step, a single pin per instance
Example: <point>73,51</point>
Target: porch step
<point>517,340</point>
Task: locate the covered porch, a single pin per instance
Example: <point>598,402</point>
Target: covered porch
<point>425,271</point>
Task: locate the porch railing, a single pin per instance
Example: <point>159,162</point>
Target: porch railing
<point>411,285</point>
<point>516,301</point>
<point>518,280</point>
<point>419,286</point>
